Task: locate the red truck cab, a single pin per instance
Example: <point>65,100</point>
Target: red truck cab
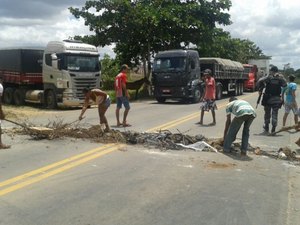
<point>250,83</point>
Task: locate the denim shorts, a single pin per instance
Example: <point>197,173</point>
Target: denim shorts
<point>107,102</point>
<point>123,101</point>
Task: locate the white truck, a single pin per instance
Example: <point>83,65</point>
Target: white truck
<point>54,76</point>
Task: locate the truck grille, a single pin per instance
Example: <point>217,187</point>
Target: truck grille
<point>80,83</point>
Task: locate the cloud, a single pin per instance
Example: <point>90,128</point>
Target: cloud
<point>33,22</point>
<point>272,25</point>
<point>32,9</point>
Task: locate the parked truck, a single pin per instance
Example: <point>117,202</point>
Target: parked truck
<point>229,75</point>
<point>263,66</point>
<point>255,69</point>
<point>176,74</point>
<point>253,76</point>
<point>54,76</point>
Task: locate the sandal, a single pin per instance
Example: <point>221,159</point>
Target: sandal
<point>2,146</point>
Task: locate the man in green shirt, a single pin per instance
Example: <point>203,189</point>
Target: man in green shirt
<point>244,114</point>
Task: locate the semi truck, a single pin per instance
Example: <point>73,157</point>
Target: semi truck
<point>253,76</point>
<point>176,74</point>
<point>53,76</point>
<point>229,75</point>
<point>256,69</point>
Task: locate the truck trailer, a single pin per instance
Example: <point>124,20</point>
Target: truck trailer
<point>176,74</point>
<point>229,75</point>
<point>54,76</point>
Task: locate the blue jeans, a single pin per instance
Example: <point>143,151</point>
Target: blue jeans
<point>234,128</point>
<point>123,101</point>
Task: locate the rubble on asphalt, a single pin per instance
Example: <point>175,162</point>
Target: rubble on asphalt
<point>163,139</point>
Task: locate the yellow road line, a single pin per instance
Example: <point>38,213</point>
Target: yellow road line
<point>51,166</point>
<point>56,171</point>
<point>66,164</point>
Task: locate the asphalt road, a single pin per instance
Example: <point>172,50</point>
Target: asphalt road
<point>80,182</point>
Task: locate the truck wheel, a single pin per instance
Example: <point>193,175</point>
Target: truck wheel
<point>160,99</point>
<point>242,88</point>
<point>196,95</point>
<point>19,97</point>
<point>237,90</point>
<point>219,91</point>
<point>8,95</point>
<point>51,100</point>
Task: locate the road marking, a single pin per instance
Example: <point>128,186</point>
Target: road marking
<point>181,120</point>
<point>42,173</point>
<point>45,172</point>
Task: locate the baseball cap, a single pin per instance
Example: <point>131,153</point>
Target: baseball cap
<point>207,71</point>
<point>274,69</point>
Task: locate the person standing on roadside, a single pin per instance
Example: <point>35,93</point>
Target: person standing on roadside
<point>244,114</point>
<point>2,117</point>
<point>208,101</point>
<point>272,101</point>
<point>290,102</point>
<point>122,95</point>
<point>101,99</point>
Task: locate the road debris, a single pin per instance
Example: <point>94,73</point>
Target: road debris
<point>163,139</point>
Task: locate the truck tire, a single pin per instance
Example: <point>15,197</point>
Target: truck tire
<point>160,99</point>
<point>196,95</point>
<point>19,97</point>
<point>237,90</point>
<point>8,96</point>
<point>219,91</point>
<point>242,88</point>
<point>51,102</point>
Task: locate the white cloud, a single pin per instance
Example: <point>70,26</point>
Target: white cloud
<point>272,25</point>
<point>24,25</point>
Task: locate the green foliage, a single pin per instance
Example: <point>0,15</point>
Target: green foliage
<point>222,45</point>
<point>140,28</point>
<point>109,69</point>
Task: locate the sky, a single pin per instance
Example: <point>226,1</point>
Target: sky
<point>273,25</point>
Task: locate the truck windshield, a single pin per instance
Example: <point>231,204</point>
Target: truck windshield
<point>80,63</point>
<point>167,64</point>
<point>247,69</point>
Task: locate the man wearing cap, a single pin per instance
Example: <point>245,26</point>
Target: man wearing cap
<point>208,101</point>
<point>272,101</point>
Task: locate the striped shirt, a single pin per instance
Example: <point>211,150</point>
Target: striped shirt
<point>240,108</point>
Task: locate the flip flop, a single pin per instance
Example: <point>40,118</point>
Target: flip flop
<point>126,125</point>
<point>4,146</point>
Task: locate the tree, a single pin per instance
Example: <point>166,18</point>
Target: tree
<point>223,45</point>
<point>140,28</point>
<point>109,68</point>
